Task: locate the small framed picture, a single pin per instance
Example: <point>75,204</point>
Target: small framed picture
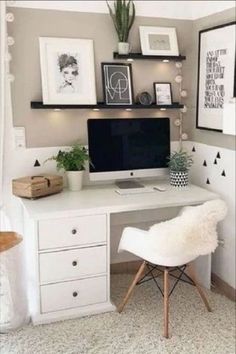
<point>158,41</point>
<point>117,83</point>
<point>163,93</point>
<point>67,71</point>
<point>216,75</point>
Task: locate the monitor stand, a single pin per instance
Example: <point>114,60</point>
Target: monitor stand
<point>129,184</point>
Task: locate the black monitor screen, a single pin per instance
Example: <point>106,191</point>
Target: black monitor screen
<point>128,144</point>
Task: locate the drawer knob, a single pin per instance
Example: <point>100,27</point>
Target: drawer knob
<point>74,231</point>
<point>74,263</point>
<point>75,293</point>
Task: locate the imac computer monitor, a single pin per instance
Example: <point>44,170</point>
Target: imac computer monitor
<point>128,147</point>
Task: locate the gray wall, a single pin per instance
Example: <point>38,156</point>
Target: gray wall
<point>203,136</point>
<point>49,128</point>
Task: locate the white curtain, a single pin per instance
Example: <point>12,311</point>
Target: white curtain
<point>6,124</point>
<point>2,89</point>
<point>13,301</point>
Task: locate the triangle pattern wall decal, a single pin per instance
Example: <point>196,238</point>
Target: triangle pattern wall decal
<point>193,149</point>
<point>215,162</point>
<point>218,155</point>
<point>37,164</point>
<point>223,173</point>
<point>207,181</point>
<point>204,163</point>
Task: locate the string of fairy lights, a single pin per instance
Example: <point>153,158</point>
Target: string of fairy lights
<point>182,95</point>
<point>10,41</point>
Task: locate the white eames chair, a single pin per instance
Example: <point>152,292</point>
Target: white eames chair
<point>171,246</point>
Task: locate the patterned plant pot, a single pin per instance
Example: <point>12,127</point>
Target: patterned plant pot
<point>179,178</point>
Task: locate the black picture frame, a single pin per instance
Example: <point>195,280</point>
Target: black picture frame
<point>163,102</point>
<point>200,124</point>
<point>117,85</point>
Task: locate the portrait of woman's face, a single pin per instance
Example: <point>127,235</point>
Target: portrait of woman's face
<point>70,73</point>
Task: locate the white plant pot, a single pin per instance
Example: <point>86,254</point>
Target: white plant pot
<point>75,180</point>
<point>178,178</point>
<point>123,48</point>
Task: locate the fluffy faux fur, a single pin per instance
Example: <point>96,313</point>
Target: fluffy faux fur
<point>193,232</point>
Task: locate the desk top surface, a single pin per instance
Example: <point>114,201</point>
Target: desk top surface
<point>103,199</point>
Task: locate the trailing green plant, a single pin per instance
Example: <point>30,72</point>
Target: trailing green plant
<point>72,160</point>
<point>123,17</point>
<point>180,161</point>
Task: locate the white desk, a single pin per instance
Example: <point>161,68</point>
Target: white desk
<point>68,246</point>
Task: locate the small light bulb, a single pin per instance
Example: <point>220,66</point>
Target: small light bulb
<point>178,65</point>
<point>184,136</point>
<point>10,17</point>
<point>10,41</point>
<point>183,93</point>
<point>177,122</point>
<point>184,109</point>
<point>178,79</point>
<point>165,61</point>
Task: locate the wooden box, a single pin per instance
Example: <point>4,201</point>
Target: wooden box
<point>37,186</point>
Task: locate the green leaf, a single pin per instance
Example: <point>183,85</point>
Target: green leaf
<point>122,17</point>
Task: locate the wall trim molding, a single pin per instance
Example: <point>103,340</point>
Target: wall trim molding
<point>223,288</point>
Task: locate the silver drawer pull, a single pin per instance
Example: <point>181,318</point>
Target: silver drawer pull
<point>74,263</point>
<point>75,293</point>
<point>74,231</point>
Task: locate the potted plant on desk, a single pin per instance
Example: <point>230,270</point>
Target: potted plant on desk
<point>179,164</point>
<point>73,162</point>
<point>123,18</point>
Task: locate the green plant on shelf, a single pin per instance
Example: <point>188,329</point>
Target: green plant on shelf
<point>180,161</point>
<point>123,17</point>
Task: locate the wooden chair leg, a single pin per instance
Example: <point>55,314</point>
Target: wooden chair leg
<point>192,275</point>
<point>166,303</point>
<point>131,288</point>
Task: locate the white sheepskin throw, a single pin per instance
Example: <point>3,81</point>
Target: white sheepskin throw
<point>193,232</point>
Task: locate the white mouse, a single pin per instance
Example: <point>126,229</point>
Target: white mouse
<point>160,188</point>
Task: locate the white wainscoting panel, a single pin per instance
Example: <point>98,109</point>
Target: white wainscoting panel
<point>214,169</point>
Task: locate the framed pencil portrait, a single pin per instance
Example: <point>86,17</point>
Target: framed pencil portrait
<point>67,71</point>
<point>163,93</point>
<point>216,75</point>
<point>117,83</point>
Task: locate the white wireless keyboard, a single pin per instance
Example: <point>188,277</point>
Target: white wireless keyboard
<point>135,190</point>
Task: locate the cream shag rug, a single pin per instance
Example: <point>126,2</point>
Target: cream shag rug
<point>138,330</point>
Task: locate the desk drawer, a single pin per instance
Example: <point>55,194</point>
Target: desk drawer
<point>62,296</point>
<point>65,265</point>
<point>67,232</point>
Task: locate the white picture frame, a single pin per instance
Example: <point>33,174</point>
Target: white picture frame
<point>67,71</point>
<point>163,93</point>
<point>216,75</point>
<point>158,41</point>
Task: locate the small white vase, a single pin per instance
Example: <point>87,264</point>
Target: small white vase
<point>123,48</point>
<point>75,179</point>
